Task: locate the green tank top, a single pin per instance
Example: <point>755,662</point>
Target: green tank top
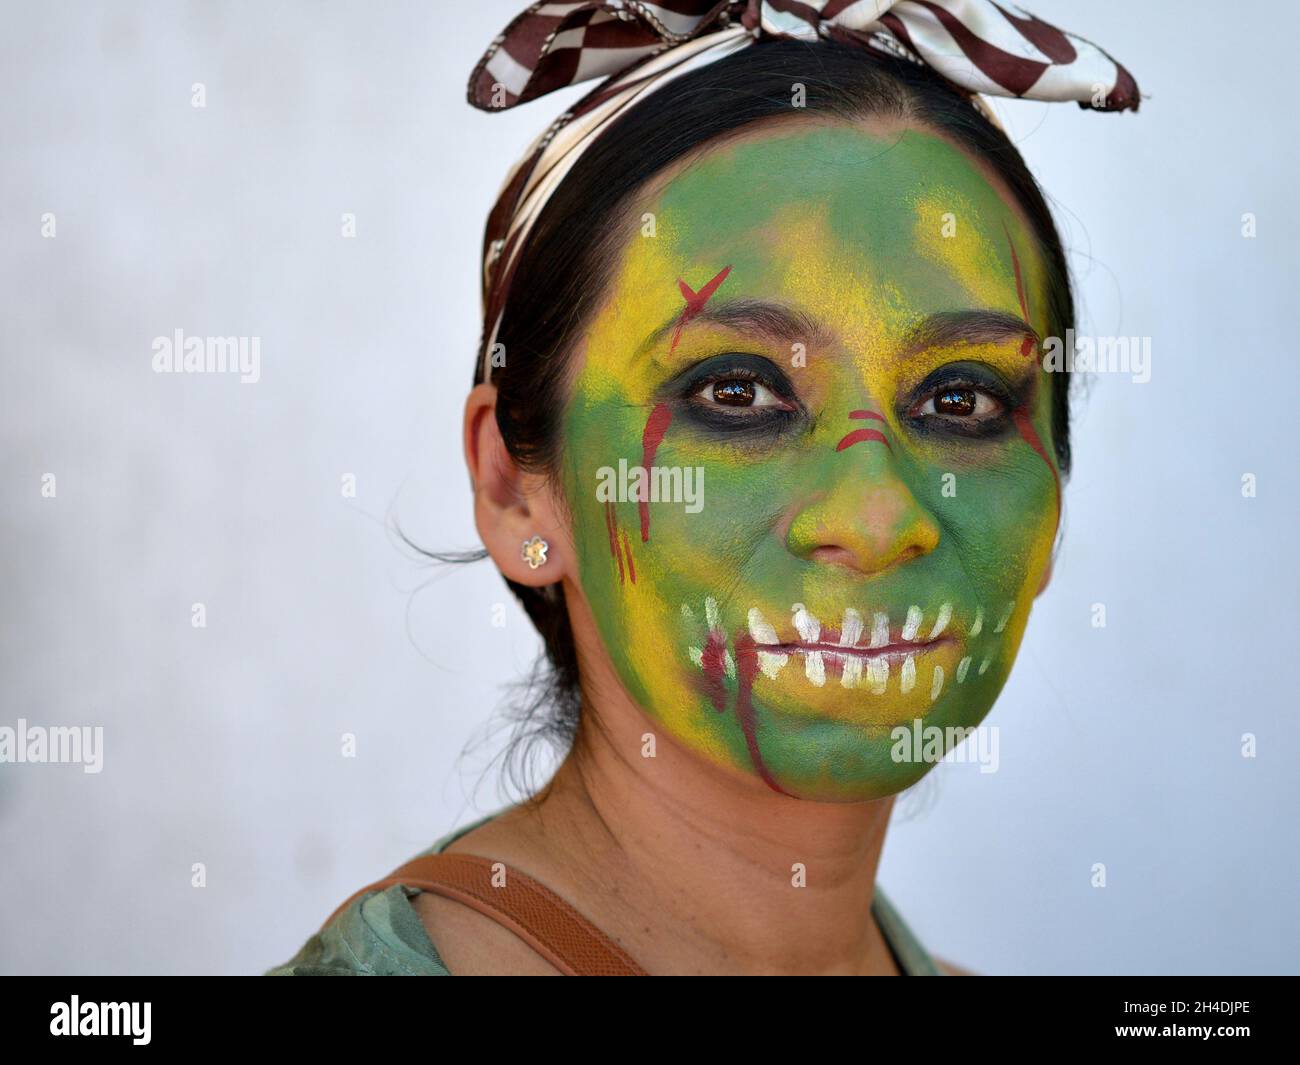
<point>381,934</point>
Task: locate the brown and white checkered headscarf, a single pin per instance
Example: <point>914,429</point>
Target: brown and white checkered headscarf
<point>638,46</point>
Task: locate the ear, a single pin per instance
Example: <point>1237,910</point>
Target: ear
<point>511,506</point>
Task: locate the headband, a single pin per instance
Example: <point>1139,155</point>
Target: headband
<point>977,45</point>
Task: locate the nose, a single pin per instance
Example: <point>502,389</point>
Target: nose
<point>866,517</point>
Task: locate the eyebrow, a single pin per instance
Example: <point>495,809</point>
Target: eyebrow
<point>776,321</point>
<point>780,322</point>
<point>949,328</point>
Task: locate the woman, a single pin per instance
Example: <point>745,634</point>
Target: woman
<point>762,397</point>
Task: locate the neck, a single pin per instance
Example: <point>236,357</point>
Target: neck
<point>700,866</point>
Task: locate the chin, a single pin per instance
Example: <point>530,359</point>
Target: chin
<point>829,743</point>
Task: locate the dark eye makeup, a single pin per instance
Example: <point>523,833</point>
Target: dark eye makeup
<point>750,398</point>
<point>743,396</point>
<point>968,399</point>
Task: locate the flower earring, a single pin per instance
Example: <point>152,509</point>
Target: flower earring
<point>534,552</point>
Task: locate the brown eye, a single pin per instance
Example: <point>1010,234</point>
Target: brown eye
<point>959,401</point>
<point>734,393</point>
<point>738,395</point>
<point>962,402</point>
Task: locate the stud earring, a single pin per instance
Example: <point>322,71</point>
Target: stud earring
<point>534,552</point>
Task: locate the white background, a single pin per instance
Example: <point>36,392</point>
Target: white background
<point>222,745</point>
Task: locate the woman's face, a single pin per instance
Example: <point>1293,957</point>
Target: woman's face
<point>819,341</point>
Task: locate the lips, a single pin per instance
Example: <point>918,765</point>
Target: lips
<point>814,637</point>
<point>845,652</point>
<point>933,650</point>
<point>891,651</point>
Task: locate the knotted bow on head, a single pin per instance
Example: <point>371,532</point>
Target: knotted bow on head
<point>979,46</point>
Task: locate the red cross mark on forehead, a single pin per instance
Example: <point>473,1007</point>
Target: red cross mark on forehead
<point>695,301</point>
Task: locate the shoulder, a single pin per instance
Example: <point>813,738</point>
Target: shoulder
<point>377,934</point>
<point>949,969</point>
<point>471,942</point>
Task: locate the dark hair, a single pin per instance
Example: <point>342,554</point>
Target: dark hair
<point>556,288</point>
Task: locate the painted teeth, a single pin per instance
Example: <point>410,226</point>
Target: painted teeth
<point>854,668</point>
<point>850,634</point>
<point>913,623</point>
<point>941,622</point>
<point>809,627</point>
<point>879,630</point>
<point>850,628</point>
<point>851,677</point>
<point>814,667</point>
<point>878,674</point>
<point>770,663</point>
<point>810,631</point>
<point>760,628</point>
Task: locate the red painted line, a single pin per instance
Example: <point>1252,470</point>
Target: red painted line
<point>1026,345</point>
<point>866,414</point>
<point>1030,435</point>
<point>1020,416</point>
<point>746,668</point>
<point>651,436</point>
<point>627,550</point>
<point>713,662</point>
<point>611,523</point>
<point>859,435</point>
<point>695,301</point>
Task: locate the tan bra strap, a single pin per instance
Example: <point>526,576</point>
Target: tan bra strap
<point>531,910</point>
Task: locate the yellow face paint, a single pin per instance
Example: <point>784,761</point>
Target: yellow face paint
<point>823,363</point>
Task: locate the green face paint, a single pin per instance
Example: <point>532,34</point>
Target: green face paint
<point>821,355</point>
